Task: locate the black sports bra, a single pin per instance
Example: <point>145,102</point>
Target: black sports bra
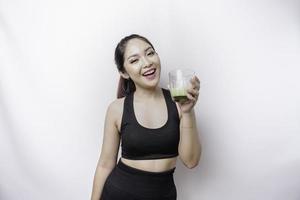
<point>141,143</point>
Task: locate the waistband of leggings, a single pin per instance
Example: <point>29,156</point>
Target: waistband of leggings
<point>136,171</point>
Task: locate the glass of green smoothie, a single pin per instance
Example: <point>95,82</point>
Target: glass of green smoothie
<point>179,80</point>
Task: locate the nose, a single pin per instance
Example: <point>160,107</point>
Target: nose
<point>146,62</point>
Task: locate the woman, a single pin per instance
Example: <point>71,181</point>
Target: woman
<point>153,129</point>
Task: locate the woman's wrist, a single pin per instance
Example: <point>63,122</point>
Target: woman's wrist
<point>188,113</point>
<point>188,119</point>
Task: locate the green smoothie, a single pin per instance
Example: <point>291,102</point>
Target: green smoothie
<point>179,94</point>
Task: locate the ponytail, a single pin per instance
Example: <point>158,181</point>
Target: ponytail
<point>125,87</point>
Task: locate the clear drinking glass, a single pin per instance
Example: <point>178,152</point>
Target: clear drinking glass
<point>179,81</point>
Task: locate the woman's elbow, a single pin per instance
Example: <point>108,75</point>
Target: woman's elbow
<point>192,165</point>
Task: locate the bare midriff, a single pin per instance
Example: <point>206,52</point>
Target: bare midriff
<point>155,165</point>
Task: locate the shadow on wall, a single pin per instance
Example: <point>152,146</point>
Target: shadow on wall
<point>194,184</point>
<point>185,180</point>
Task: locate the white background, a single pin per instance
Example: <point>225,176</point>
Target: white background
<point>57,77</point>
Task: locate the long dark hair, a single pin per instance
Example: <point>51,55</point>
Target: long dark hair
<point>126,86</point>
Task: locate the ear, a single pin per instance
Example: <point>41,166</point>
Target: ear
<point>124,74</point>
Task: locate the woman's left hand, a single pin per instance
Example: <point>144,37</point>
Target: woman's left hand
<point>192,94</point>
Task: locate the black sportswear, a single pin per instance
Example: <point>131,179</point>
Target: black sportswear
<point>141,143</point>
<point>128,183</point>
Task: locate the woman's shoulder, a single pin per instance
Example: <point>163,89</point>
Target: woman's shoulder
<point>114,111</point>
<point>116,105</point>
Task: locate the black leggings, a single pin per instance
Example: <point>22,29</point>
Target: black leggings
<point>128,183</point>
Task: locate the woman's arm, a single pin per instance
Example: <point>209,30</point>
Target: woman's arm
<point>189,145</point>
<point>100,177</point>
<point>109,151</point>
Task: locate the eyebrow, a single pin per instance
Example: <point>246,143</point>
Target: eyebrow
<point>137,54</point>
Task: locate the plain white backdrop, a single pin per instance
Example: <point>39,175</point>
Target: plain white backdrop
<point>57,77</point>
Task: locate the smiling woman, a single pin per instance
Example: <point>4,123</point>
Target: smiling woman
<point>153,130</point>
<point>130,48</point>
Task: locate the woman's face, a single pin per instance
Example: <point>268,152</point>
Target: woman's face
<point>142,63</point>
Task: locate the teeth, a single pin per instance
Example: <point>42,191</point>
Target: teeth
<point>150,72</point>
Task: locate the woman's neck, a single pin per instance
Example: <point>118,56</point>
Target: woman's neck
<point>147,94</point>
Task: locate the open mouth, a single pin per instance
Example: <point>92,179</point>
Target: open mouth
<point>151,74</point>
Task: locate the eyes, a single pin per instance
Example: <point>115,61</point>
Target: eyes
<point>149,53</point>
<point>133,61</point>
